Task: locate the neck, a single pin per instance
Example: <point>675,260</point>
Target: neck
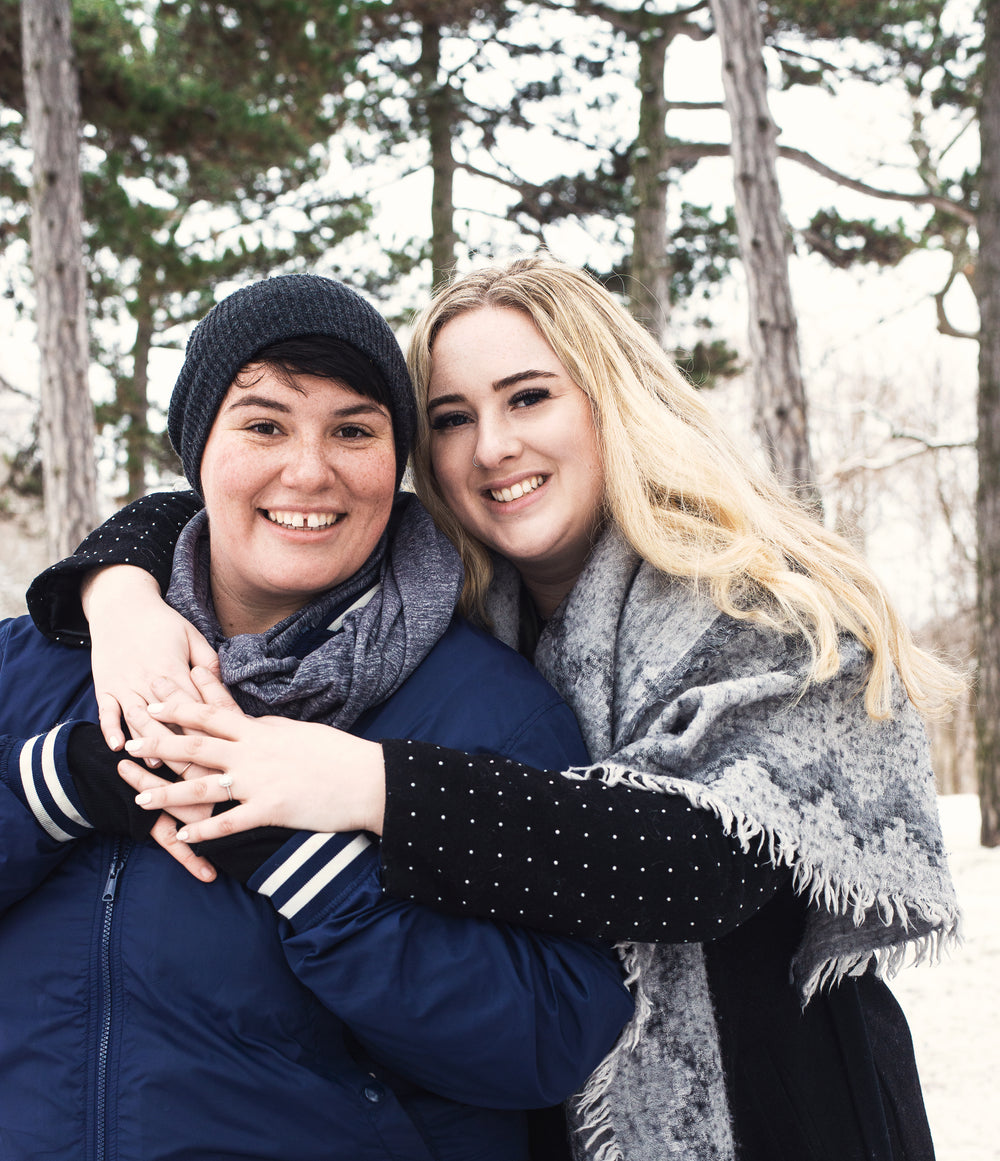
<point>549,583</point>
<point>547,593</point>
<point>236,615</point>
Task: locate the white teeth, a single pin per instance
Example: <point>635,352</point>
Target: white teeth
<point>302,519</point>
<point>516,491</point>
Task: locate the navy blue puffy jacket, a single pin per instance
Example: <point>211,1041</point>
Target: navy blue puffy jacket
<point>145,1015</point>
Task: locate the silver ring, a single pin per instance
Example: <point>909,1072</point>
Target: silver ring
<point>181,773</point>
<point>226,780</point>
<point>476,463</point>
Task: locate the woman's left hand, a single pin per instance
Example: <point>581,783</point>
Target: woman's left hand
<point>299,775</point>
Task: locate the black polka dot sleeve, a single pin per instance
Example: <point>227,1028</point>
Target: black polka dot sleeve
<point>144,534</point>
<point>487,836</point>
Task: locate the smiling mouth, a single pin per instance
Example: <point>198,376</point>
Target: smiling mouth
<point>302,519</point>
<point>516,491</point>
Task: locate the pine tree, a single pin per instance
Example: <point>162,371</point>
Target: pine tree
<point>204,128</point>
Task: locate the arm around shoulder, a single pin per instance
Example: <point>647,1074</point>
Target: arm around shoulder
<point>579,856</point>
<point>142,534</point>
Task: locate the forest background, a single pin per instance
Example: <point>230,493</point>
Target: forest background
<point>387,144</point>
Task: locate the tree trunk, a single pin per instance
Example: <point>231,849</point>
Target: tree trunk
<point>67,414</point>
<point>779,396</point>
<point>649,294</point>
<point>987,281</point>
<point>440,118</point>
<point>132,397</point>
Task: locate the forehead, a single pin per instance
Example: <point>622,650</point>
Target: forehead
<point>263,385</point>
<point>489,343</point>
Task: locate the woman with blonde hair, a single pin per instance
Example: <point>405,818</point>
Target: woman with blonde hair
<point>683,496</point>
<point>758,828</point>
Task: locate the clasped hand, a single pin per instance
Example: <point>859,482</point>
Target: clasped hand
<point>280,772</point>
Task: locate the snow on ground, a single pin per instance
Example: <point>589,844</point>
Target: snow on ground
<point>953,1006</point>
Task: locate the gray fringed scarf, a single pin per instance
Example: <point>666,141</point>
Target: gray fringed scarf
<point>676,698</point>
<point>403,598</point>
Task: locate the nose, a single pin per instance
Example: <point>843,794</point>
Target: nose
<point>496,441</point>
<point>307,467</point>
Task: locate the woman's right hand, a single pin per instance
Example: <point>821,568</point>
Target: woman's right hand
<point>137,639</point>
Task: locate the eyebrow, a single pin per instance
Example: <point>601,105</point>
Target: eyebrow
<point>498,385</point>
<point>258,401</point>
<point>363,407</point>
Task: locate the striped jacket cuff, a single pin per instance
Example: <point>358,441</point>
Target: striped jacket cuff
<point>311,869</point>
<point>39,775</point>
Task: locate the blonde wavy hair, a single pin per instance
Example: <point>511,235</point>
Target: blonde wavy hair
<point>682,494</point>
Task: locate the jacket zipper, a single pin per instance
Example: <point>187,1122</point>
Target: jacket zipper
<point>118,858</point>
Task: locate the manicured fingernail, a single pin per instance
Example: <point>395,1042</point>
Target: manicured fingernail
<point>133,745</point>
<point>116,741</point>
<point>182,836</point>
<point>156,707</point>
<point>143,798</point>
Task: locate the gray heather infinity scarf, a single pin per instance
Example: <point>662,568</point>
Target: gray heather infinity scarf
<point>674,697</point>
<point>416,575</point>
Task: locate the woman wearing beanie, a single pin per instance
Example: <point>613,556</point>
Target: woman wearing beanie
<point>287,1010</point>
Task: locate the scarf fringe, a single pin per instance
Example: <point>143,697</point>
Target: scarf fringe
<point>840,899</point>
<point>889,960</point>
<point>591,1103</point>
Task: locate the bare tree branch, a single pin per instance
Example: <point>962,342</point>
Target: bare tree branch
<point>512,182</point>
<point>696,106</point>
<point>963,551</point>
<point>677,23</point>
<point>917,199</point>
<point>944,325</point>
<point>695,150</point>
<point>883,460</point>
<point>8,386</point>
<point>865,463</point>
<point>898,432</point>
<point>826,65</point>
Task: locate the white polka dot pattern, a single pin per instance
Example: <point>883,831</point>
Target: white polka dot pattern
<point>578,857</point>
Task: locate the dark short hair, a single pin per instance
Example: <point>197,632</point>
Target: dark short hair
<point>326,358</point>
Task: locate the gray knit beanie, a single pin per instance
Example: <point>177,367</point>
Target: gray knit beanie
<point>255,316</point>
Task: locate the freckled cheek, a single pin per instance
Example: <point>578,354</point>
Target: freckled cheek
<point>229,475</point>
<point>374,479</point>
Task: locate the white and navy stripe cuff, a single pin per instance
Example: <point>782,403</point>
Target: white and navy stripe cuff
<point>47,785</point>
<point>307,872</point>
